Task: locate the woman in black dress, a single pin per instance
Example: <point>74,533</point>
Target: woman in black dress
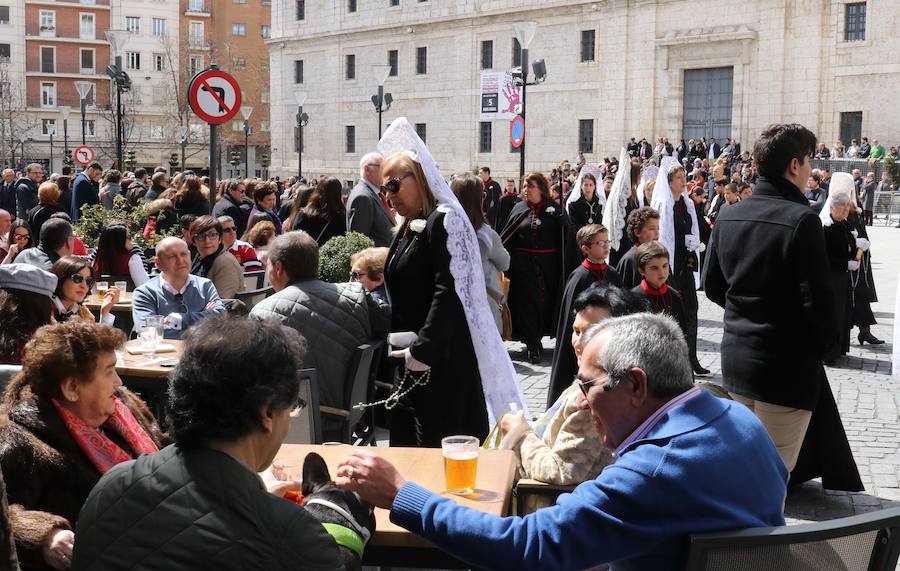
<point>862,283</point>
<point>539,239</point>
<point>324,216</point>
<point>840,246</point>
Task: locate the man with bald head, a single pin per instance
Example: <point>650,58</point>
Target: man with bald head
<point>182,298</point>
<point>367,209</point>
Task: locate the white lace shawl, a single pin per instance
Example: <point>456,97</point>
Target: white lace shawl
<point>575,194</point>
<point>664,203</point>
<point>498,376</point>
<point>617,202</point>
<point>647,174</point>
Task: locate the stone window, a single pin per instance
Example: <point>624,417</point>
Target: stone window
<point>5,53</point>
<point>421,61</point>
<point>588,45</point>
<point>855,22</point>
<point>350,66</point>
<point>516,53</point>
<point>159,62</point>
<point>159,27</point>
<point>4,15</point>
<point>350,139</point>
<point>48,125</point>
<point>238,29</point>
<point>301,9</point>
<point>133,24</point>
<point>484,137</point>
<point>422,131</point>
<point>487,54</point>
<point>393,61</point>
<point>586,135</point>
<point>133,60</point>
<point>298,71</point>
<point>351,5</point>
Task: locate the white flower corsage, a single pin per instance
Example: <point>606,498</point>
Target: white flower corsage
<point>549,210</point>
<point>417,225</point>
<point>855,233</point>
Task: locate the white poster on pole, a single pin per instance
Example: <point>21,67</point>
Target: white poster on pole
<point>500,97</point>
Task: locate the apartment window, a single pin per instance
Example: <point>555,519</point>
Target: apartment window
<point>351,5</point>
<point>238,29</point>
<point>5,53</point>
<point>48,23</point>
<point>586,135</point>
<point>394,3</point>
<point>588,45</point>
<point>87,60</point>
<point>159,27</point>
<point>89,2</point>
<point>301,9</point>
<point>4,15</point>
<point>855,22</point>
<point>350,65</point>
<point>87,29</point>
<point>157,131</point>
<point>264,96</point>
<point>48,125</point>
<point>195,34</point>
<point>298,71</point>
<point>239,63</point>
<point>422,131</point>
<point>237,125</point>
<point>264,126</point>
<point>487,54</point>
<point>265,31</point>
<point>239,1</point>
<point>90,127</point>
<point>393,59</point>
<point>196,6</point>
<point>264,64</point>
<point>132,60</point>
<point>48,94</point>
<point>516,53</point>
<point>484,137</point>
<point>421,61</point>
<point>195,64</point>
<point>133,24</point>
<point>351,138</point>
<point>159,62</point>
<point>48,59</point>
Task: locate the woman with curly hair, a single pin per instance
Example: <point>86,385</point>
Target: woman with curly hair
<point>189,199</point>
<point>324,215</point>
<point>25,305</point>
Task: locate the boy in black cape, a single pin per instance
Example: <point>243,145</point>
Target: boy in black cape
<point>642,227</point>
<point>653,263</point>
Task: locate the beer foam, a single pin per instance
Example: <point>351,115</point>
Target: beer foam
<point>464,454</point>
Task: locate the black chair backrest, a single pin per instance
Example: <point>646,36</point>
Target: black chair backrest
<point>254,296</point>
<point>360,385</point>
<point>306,427</point>
<point>867,542</point>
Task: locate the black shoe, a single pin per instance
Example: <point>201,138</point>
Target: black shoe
<point>699,371</point>
<point>535,356</point>
<point>867,337</point>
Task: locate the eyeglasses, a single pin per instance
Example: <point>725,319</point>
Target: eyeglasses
<point>211,235</point>
<point>78,278</point>
<point>601,243</point>
<point>585,386</point>
<point>393,186</point>
<point>229,230</point>
<point>20,237</point>
<point>354,276</point>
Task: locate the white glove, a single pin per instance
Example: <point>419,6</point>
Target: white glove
<point>852,265</point>
<point>863,244</point>
<point>691,242</point>
<point>412,364</point>
<point>702,247</point>
<point>402,339</point>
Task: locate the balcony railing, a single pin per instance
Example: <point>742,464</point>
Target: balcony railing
<point>198,7</point>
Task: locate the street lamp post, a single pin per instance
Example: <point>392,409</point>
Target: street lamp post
<point>83,88</point>
<point>64,112</point>
<point>302,121</point>
<point>524,33</point>
<point>117,40</point>
<point>381,100</point>
<point>51,130</point>
<point>246,112</point>
<point>182,138</point>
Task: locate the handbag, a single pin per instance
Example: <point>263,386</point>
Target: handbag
<point>505,315</point>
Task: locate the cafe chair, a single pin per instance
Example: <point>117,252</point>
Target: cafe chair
<point>254,280</point>
<point>254,296</point>
<point>7,372</point>
<point>867,542</point>
<point>532,495</point>
<point>306,424</point>
<point>356,426</point>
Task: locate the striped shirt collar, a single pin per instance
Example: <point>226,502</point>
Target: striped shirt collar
<point>644,429</point>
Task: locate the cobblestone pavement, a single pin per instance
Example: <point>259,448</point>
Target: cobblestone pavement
<point>862,384</point>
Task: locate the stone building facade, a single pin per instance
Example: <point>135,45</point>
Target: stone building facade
<point>615,69</point>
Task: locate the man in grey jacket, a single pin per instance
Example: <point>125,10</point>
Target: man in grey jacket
<point>367,212</point>
<point>334,318</point>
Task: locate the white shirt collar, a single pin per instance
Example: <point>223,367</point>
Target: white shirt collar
<point>61,309</point>
<point>165,285</point>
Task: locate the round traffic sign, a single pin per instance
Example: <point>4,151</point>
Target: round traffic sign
<point>517,131</point>
<point>83,155</point>
<point>214,96</point>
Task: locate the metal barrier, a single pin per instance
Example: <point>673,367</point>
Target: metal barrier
<point>887,208</point>
<point>847,165</point>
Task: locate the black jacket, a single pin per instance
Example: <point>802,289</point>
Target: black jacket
<point>8,197</point>
<point>84,191</point>
<point>26,196</point>
<point>766,265</point>
<point>226,206</point>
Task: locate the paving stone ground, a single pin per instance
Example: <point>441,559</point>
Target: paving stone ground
<point>866,394</point>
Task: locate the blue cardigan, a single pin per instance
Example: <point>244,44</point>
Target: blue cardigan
<point>151,299</point>
<point>707,465</point>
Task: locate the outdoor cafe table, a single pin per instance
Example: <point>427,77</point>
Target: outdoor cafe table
<point>393,546</point>
<point>145,377</point>
<point>121,311</point>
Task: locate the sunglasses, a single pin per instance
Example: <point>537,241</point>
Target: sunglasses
<point>585,386</point>
<point>206,236</point>
<point>393,186</point>
<point>78,278</point>
<point>22,237</point>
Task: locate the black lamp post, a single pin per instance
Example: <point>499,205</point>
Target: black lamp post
<point>524,34</point>
<point>83,88</point>
<point>51,130</point>
<point>182,139</point>
<point>246,112</point>
<point>117,40</point>
<point>64,112</point>
<point>381,100</point>
<point>302,121</point>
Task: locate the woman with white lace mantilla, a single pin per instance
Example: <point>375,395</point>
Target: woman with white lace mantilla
<point>441,325</point>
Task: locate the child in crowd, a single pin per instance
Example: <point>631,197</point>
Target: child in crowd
<point>653,263</point>
<point>746,190</point>
<point>732,194</point>
<point>643,227</point>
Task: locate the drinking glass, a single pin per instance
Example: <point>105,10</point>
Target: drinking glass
<point>460,463</point>
<point>102,288</point>
<point>149,340</point>
<point>159,323</point>
<point>122,286</point>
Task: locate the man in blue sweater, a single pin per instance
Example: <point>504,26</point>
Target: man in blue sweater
<point>183,299</point>
<point>686,462</point>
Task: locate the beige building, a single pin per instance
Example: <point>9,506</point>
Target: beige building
<point>615,69</point>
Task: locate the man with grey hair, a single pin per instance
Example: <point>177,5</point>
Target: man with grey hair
<point>367,208</point>
<point>334,318</point>
<point>686,462</point>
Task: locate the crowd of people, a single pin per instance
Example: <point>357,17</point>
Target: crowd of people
<point>607,259</point>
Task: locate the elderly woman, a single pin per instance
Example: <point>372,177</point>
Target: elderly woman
<point>367,268</point>
<point>20,238</point>
<point>117,256</point>
<point>264,205</point>
<point>539,239</point>
<point>200,503</point>
<point>214,262</point>
<point>73,286</point>
<point>840,245</point>
<point>25,305</point>
<point>68,422</point>
<point>563,447</point>
<point>48,205</point>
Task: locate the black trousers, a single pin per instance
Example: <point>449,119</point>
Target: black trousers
<point>684,283</point>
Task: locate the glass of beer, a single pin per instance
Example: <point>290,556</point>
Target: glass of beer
<point>460,463</point>
<point>102,288</point>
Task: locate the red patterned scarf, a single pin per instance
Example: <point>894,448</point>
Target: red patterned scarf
<point>103,452</point>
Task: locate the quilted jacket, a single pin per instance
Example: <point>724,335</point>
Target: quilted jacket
<point>195,508</point>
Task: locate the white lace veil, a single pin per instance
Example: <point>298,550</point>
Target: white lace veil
<point>498,377</point>
<point>664,203</point>
<point>617,202</point>
<point>647,174</point>
<point>575,194</point>
<point>841,183</point>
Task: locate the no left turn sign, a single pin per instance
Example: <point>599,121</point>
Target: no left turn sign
<point>215,96</point>
<point>83,155</point>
